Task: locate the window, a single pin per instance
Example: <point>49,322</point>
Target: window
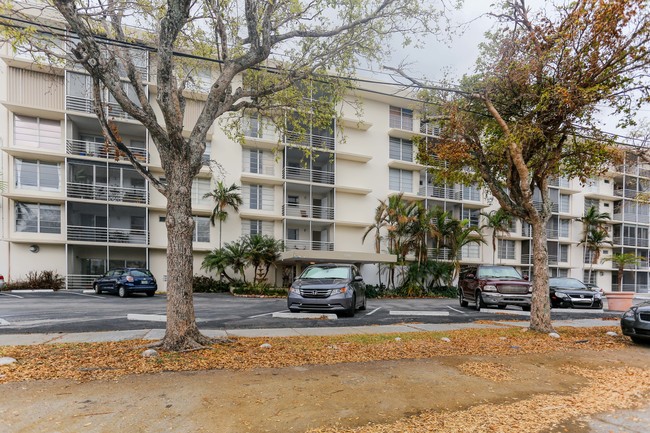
<point>292,234</point>
<point>564,228</point>
<point>37,132</point>
<point>201,229</point>
<point>207,153</point>
<point>471,251</point>
<point>256,196</point>
<point>200,187</point>
<point>253,161</point>
<point>564,203</point>
<point>506,249</point>
<point>563,256</point>
<point>44,176</point>
<point>586,277</point>
<point>38,218</point>
<point>400,180</point>
<point>257,227</point>
<point>401,118</point>
<point>401,149</point>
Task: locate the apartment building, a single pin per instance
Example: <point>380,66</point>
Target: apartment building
<point>71,206</point>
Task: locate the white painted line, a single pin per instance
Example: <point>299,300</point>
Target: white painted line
<point>266,314</point>
<point>458,311</point>
<point>147,317</point>
<point>505,311</point>
<point>373,311</point>
<point>419,313</point>
<point>33,290</point>
<point>305,316</point>
<point>13,296</point>
<point>3,322</point>
<point>83,294</point>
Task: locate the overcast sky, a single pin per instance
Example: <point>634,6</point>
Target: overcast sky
<point>455,58</point>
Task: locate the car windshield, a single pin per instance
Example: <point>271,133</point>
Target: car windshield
<point>499,272</point>
<point>140,273</point>
<point>566,283</point>
<point>326,272</point>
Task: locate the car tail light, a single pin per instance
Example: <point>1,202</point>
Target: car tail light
<point>129,278</point>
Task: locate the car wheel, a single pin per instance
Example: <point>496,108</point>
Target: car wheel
<point>353,307</point>
<point>637,339</point>
<point>525,307</point>
<point>461,301</point>
<point>150,294</point>
<point>121,292</point>
<point>479,301</point>
<point>97,289</point>
<point>363,306</point>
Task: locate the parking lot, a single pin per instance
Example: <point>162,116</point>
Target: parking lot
<point>76,311</point>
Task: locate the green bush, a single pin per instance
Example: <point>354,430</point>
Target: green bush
<point>44,280</point>
<point>444,292</point>
<point>377,291</point>
<point>203,284</point>
<point>258,290</point>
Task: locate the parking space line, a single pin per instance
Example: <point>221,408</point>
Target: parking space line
<point>266,314</point>
<point>458,311</point>
<point>373,311</point>
<point>11,295</point>
<point>419,313</point>
<point>3,322</point>
<point>147,317</point>
<point>84,294</point>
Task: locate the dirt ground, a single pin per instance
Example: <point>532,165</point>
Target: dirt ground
<point>293,399</point>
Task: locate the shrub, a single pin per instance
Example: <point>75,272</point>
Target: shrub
<point>375,291</point>
<point>203,284</point>
<point>258,290</point>
<point>44,280</point>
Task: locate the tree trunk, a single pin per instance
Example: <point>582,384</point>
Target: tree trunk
<point>540,314</point>
<point>181,331</point>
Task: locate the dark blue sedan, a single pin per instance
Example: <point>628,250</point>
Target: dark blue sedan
<point>125,281</point>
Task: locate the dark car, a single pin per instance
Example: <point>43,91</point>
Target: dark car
<point>125,281</point>
<point>572,293</point>
<point>635,323</point>
<point>328,287</point>
<point>493,285</point>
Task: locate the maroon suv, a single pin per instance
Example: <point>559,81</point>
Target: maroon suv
<point>493,285</point>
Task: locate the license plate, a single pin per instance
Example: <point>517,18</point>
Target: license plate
<point>144,282</point>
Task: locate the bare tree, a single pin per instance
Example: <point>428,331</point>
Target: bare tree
<point>261,49</point>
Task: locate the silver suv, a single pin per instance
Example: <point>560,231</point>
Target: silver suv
<point>328,287</point>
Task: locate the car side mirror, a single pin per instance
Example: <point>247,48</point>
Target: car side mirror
<point>526,277</point>
<point>358,278</point>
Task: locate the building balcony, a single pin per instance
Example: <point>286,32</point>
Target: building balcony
<point>107,193</point>
<point>310,140</point>
<point>75,103</point>
<point>292,244</point>
<point>99,150</point>
<point>307,211</point>
<point>308,175</point>
<point>107,234</point>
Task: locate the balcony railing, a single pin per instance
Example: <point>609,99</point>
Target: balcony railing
<point>638,288</point>
<point>98,150</point>
<point>430,129</point>
<point>265,132</point>
<point>310,140</point>
<point>104,234</point>
<point>628,193</point>
<point>78,281</point>
<point>307,211</point>
<point>527,259</point>
<point>107,193</point>
<point>291,244</point>
<point>441,254</point>
<point>76,103</point>
<point>308,175</point>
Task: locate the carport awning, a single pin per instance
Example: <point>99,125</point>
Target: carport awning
<point>306,256</point>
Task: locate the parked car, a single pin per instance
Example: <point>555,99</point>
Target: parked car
<point>595,287</point>
<point>635,323</point>
<point>125,281</point>
<point>572,293</point>
<point>328,287</point>
<point>493,285</point>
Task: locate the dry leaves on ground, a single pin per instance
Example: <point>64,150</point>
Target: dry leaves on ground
<point>487,370</point>
<point>92,361</point>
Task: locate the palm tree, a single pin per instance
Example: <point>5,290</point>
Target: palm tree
<point>440,228</point>
<point>261,251</point>
<point>377,225</point>
<point>596,240</point>
<point>622,260</point>
<point>223,197</point>
<point>592,219</point>
<point>499,222</point>
<point>461,234</point>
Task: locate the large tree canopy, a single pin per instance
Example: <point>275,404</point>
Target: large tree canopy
<point>527,115</point>
<point>257,51</point>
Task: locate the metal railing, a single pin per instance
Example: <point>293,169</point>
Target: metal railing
<point>292,244</point>
<point>310,140</point>
<point>308,175</point>
<point>631,288</point>
<point>80,281</point>
<point>86,105</point>
<point>433,130</point>
<point>104,234</point>
<point>307,211</point>
<point>107,193</point>
<point>99,150</point>
<point>261,132</point>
